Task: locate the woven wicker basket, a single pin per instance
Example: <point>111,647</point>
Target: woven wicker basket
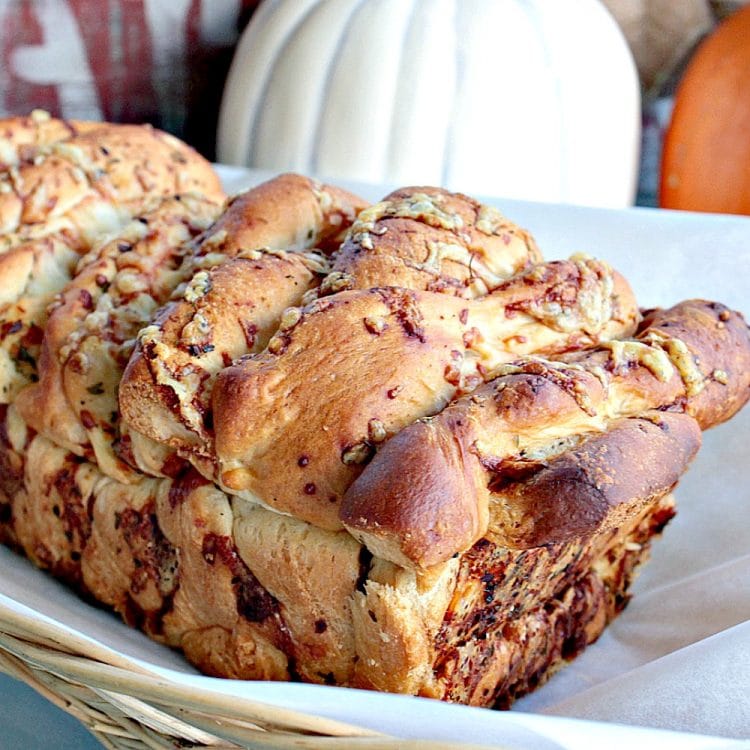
<point>128,708</point>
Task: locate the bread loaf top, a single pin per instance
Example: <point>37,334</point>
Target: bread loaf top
<point>383,369</point>
<point>366,407</point>
<point>692,358</point>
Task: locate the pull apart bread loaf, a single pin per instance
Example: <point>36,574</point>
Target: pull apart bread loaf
<point>300,437</point>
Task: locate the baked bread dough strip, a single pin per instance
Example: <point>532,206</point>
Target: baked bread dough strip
<point>255,262</point>
<point>372,361</point>
<point>434,240</point>
<point>426,495</point>
<point>98,180</point>
<point>92,327</point>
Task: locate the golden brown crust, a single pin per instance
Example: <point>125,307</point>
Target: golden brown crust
<point>430,239</point>
<point>433,503</point>
<point>530,412</point>
<point>297,449</point>
<point>94,177</point>
<point>255,262</point>
<point>593,487</point>
<point>232,310</point>
<point>717,341</point>
<point>414,350</point>
<point>91,329</point>
<point>22,137</point>
<point>289,212</point>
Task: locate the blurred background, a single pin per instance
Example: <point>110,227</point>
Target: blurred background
<point>535,99</point>
<point>157,61</point>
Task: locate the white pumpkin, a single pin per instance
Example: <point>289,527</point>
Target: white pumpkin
<point>531,99</point>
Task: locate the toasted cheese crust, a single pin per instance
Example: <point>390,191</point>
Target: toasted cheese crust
<point>92,328</point>
<point>260,257</point>
<point>531,409</point>
<point>416,351</point>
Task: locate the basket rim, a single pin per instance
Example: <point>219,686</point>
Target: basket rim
<point>65,653</point>
<point>39,644</point>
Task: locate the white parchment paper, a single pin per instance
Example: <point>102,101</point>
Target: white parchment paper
<point>677,659</point>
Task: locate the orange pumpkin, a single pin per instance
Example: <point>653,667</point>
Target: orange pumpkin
<point>706,158</point>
